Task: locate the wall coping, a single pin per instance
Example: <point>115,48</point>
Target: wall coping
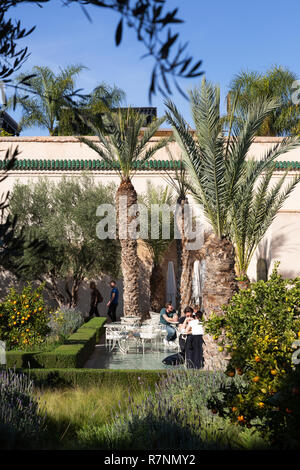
<point>74,139</point>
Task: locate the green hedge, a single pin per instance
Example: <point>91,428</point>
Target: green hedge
<point>87,377</point>
<point>73,354</point>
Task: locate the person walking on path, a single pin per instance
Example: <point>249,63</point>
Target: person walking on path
<point>113,301</point>
<point>96,299</point>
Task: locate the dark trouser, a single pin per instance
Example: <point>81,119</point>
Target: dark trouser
<point>111,312</point>
<point>182,344</point>
<point>194,352</point>
<point>94,311</point>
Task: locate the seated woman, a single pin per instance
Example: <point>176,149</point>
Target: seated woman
<point>194,345</point>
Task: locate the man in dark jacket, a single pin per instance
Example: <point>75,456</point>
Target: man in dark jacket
<point>113,301</point>
<point>96,299</point>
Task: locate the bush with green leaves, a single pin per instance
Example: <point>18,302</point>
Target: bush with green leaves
<point>258,328</point>
<point>283,423</point>
<point>65,321</point>
<point>24,318</point>
<point>20,415</point>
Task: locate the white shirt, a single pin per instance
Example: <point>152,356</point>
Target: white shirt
<point>197,328</point>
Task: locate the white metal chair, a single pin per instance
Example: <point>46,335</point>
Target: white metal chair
<point>116,335</point>
<point>150,334</point>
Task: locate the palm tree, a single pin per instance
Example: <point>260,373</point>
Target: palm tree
<point>253,211</point>
<point>217,166</point>
<point>179,183</point>
<point>123,144</point>
<point>91,107</point>
<point>276,83</point>
<point>49,93</point>
<point>157,244</point>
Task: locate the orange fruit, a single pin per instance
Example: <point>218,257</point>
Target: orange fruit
<point>255,379</point>
<point>274,372</point>
<point>257,359</point>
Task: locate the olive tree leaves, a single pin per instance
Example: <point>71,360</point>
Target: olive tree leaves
<point>153,28</point>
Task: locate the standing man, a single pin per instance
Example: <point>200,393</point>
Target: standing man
<point>96,299</point>
<point>167,317</point>
<point>113,301</point>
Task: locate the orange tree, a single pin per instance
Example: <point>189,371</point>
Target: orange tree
<point>24,318</point>
<point>258,329</point>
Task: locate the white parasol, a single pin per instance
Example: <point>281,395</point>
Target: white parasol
<point>197,282</point>
<point>171,284</point>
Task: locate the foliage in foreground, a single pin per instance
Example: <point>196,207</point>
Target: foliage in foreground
<point>259,327</point>
<point>174,416</point>
<point>20,416</point>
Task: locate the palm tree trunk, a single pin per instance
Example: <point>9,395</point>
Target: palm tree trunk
<point>178,273</point>
<point>129,257</point>
<point>185,262</point>
<point>186,279</point>
<point>219,286</point>
<point>157,288</point>
<point>220,281</point>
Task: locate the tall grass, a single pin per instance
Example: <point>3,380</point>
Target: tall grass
<point>173,415</point>
<point>69,410</point>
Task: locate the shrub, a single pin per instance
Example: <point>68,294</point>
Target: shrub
<point>24,318</point>
<point>283,423</point>
<point>258,328</point>
<point>73,353</point>
<point>65,321</point>
<point>19,413</point>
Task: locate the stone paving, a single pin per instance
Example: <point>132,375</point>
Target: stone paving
<point>103,359</point>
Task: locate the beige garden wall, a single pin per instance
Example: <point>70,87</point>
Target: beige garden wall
<point>282,241</point>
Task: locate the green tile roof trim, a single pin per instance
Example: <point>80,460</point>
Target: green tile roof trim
<point>77,165</point>
<point>101,165</point>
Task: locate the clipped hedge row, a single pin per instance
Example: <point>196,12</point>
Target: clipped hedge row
<point>88,377</point>
<point>73,354</point>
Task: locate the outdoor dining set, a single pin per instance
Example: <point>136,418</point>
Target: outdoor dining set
<point>131,332</point>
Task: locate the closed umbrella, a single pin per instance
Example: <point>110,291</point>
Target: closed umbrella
<point>171,284</point>
<point>197,282</point>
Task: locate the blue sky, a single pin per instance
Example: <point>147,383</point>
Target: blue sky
<point>228,36</point>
